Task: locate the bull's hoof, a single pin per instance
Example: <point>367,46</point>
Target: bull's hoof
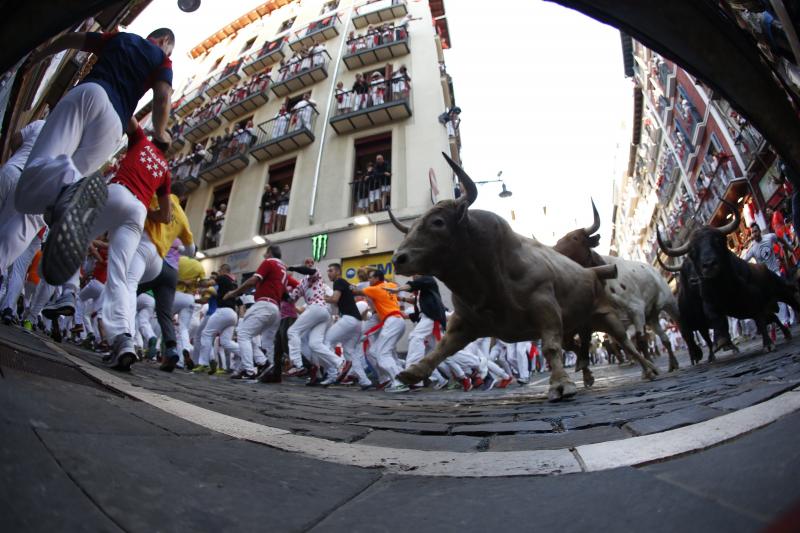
<point>649,372</point>
<point>769,348</point>
<point>673,366</point>
<point>560,391</point>
<point>588,378</point>
<point>413,374</point>
<point>711,358</point>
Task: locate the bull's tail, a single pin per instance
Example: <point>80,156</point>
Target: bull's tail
<point>604,272</point>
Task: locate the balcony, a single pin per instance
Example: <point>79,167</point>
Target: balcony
<point>178,144</point>
<point>384,102</point>
<point>301,73</point>
<point>191,101</point>
<point>186,173</point>
<point>378,12</point>
<point>285,133</point>
<point>377,47</point>
<point>226,79</point>
<point>316,32</point>
<point>205,123</point>
<point>271,53</point>
<point>243,102</point>
<point>227,159</point>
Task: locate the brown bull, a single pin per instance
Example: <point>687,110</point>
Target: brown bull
<point>504,285</point>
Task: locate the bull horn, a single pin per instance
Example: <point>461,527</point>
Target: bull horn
<point>469,185</point>
<point>397,224</point>
<point>667,267</point>
<point>596,224</point>
<point>672,252</point>
<point>733,224</point>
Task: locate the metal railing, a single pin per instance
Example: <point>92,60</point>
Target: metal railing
<point>256,84</point>
<point>192,94</point>
<point>380,36</point>
<point>286,124</point>
<point>375,94</point>
<point>315,27</point>
<point>376,5</point>
<point>223,150</point>
<point>369,195</point>
<point>297,66</point>
<point>229,69</point>
<point>266,49</point>
<point>203,114</point>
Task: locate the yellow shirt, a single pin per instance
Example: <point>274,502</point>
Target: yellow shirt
<point>163,235</point>
<point>190,271</point>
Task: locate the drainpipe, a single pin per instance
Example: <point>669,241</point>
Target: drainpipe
<point>345,27</point>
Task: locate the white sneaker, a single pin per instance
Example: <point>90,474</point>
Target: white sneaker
<point>397,387</point>
<point>63,306</point>
<point>330,379</point>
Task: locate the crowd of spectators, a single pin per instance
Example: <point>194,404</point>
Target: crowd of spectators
<point>386,33</point>
<point>298,117</point>
<point>216,149</point>
<point>301,61</point>
<point>374,91</point>
<point>212,225</point>
<point>372,188</point>
<point>274,208</point>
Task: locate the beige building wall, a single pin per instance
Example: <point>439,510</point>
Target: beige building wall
<point>417,143</point>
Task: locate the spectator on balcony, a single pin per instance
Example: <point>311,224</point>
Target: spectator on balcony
<point>211,229</point>
<point>280,123</point>
<point>303,111</point>
<point>268,205</point>
<point>199,157</point>
<point>401,83</point>
<point>318,54</point>
<point>453,122</point>
<point>305,62</point>
<point>282,209</point>
<point>343,99</point>
<point>384,176</point>
<point>386,33</point>
<point>373,188</point>
<point>360,90</point>
<point>360,194</point>
<point>377,88</point>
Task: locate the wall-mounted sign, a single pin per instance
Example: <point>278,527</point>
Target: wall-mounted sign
<point>319,246</point>
<point>382,262</point>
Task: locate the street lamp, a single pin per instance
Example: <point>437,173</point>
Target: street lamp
<point>505,193</point>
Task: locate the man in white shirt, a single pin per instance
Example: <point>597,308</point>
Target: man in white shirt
<point>762,249</point>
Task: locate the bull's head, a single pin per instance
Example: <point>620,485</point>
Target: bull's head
<point>429,243</point>
<point>578,244</point>
<point>686,270</point>
<point>707,248</point>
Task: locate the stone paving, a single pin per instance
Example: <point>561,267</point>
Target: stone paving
<point>620,405</point>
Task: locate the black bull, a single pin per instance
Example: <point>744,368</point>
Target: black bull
<point>730,286</point>
<point>505,286</point>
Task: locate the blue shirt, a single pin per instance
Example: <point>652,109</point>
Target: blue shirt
<point>127,67</point>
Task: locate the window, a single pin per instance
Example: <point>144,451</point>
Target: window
<point>372,181</point>
<point>215,65</point>
<point>275,198</point>
<point>286,24</point>
<point>329,6</point>
<point>215,216</point>
<point>247,45</point>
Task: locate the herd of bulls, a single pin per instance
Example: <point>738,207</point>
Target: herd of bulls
<point>514,288</point>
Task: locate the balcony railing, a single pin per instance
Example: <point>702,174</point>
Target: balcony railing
<point>377,103</point>
<point>247,99</point>
<point>270,53</point>
<point>378,12</point>
<point>192,100</point>
<point>317,32</point>
<point>369,195</point>
<point>376,47</point>
<point>186,170</point>
<point>301,73</point>
<point>203,123</point>
<point>287,132</point>
<point>227,158</point>
<point>227,78</point>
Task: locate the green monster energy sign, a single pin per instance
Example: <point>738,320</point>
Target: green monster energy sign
<point>319,246</point>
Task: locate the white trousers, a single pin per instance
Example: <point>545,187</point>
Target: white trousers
<point>183,306</point>
<point>17,230</point>
<point>16,278</point>
<point>222,323</point>
<point>92,297</point>
<point>312,325</point>
<point>347,331</point>
<point>520,359</point>
<point>81,133</point>
<point>259,317</point>
<point>40,298</point>
<point>123,218</point>
<point>144,266</point>
<point>383,348</point>
<point>145,309</point>
<point>420,339</point>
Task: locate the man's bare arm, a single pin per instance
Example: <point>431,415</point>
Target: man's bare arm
<point>75,41</point>
<point>162,93</point>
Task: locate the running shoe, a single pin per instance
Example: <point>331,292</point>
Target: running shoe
<point>70,221</point>
<point>27,325</point>
<point>7,316</point>
<point>199,369</point>
<point>397,387</point>
<point>505,383</point>
<point>63,306</point>
<point>466,383</point>
<point>170,361</point>
<point>123,353</point>
<point>152,348</point>
<point>243,375</point>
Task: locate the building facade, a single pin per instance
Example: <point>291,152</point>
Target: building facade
<point>689,150</point>
<point>272,103</point>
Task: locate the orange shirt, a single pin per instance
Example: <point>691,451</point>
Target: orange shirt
<point>385,302</point>
<point>33,270</point>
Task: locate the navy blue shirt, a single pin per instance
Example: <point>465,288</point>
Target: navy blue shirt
<point>127,67</point>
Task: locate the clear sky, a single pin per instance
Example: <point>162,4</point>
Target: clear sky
<point>542,94</point>
<point>545,100</point>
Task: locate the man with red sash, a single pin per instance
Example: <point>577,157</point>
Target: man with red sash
<point>389,329</point>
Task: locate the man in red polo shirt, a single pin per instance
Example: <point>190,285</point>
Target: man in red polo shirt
<point>143,172</point>
<point>270,283</point>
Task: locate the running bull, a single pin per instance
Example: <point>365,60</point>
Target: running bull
<point>639,293</point>
<point>731,286</point>
<point>504,285</point>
